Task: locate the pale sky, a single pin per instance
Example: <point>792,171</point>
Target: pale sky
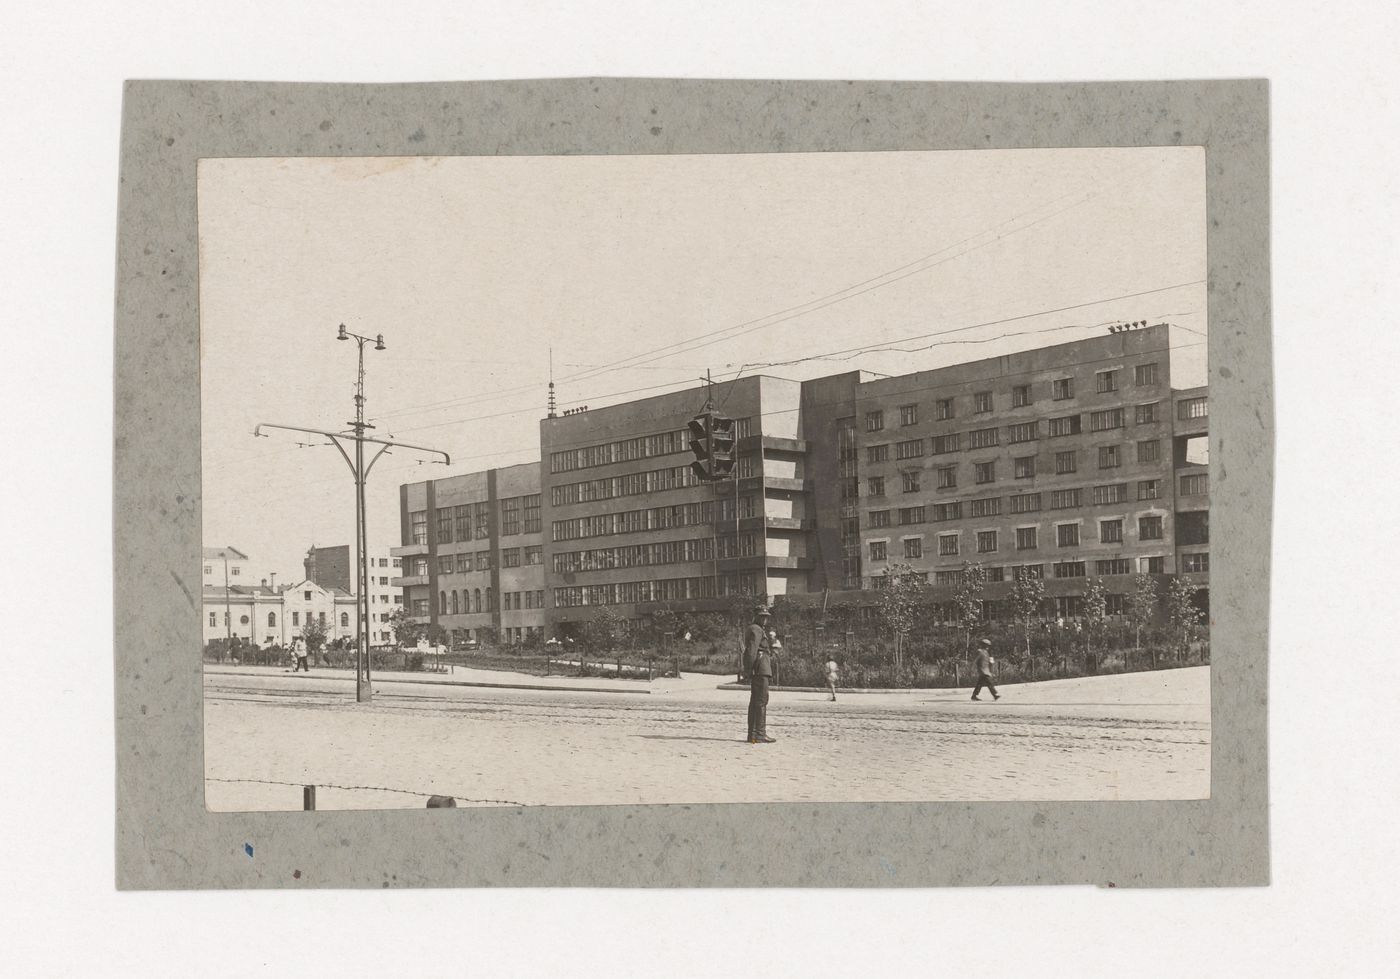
<point>473,268</point>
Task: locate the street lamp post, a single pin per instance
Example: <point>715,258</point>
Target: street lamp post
<point>359,470</point>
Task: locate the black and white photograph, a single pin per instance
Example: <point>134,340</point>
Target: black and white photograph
<point>722,478</point>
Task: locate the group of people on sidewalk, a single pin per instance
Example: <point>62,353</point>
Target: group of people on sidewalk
<point>760,645</point>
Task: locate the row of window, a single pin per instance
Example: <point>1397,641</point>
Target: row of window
<point>1061,499</point>
<point>1061,389</point>
<point>1027,538</point>
<point>1106,567</point>
<point>985,438</point>
<point>626,450</point>
<point>296,619</point>
<point>647,555</point>
<point>472,602</point>
<point>655,590</point>
<point>652,518</point>
<point>511,557</point>
<point>1023,467</point>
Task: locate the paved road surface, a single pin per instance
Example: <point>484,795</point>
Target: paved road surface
<point>1139,736</point>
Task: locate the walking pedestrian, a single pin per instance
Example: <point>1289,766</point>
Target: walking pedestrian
<point>984,670</point>
<point>760,674</point>
<point>831,674</point>
<point>302,656</point>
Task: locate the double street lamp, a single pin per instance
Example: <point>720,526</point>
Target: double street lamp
<point>359,471</point>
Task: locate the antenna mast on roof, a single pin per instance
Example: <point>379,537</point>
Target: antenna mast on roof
<point>552,403</point>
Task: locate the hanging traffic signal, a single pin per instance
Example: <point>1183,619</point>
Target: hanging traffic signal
<point>721,447</point>
<point>712,441</point>
<point>699,428</point>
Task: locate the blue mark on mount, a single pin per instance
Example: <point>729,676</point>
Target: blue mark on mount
<point>248,849</point>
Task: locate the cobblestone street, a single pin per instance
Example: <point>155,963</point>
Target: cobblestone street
<point>1137,736</point>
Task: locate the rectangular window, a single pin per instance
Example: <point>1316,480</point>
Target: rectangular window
<point>1025,467</point>
<point>534,555</point>
<point>996,574</point>
<point>874,421</point>
<point>1192,408</point>
<point>1194,485</point>
<point>1066,462</point>
<point>914,547</point>
<point>462,519</point>
<point>913,514</point>
<point>1024,432</point>
<point>1195,562</point>
<point>483,560</point>
<point>984,472</point>
<point>510,557</point>
<point>1067,534</point>
<point>1149,528</point>
<point>444,564</point>
<point>947,545</point>
<point>464,563</point>
<point>877,550</point>
<point>1145,414</point>
<point>911,481</point>
<point>1025,503</point>
<point>947,578</point>
<point>875,486</point>
<point>879,518</point>
<point>444,525</point>
<point>877,453</point>
<point>1111,531</point>
<point>1032,570</point>
<point>1145,375</point>
<point>1065,499</point>
<point>947,511</point>
<point>1068,425</point>
<point>418,526</point>
<point>912,449</point>
<point>943,444</point>
<point>943,409</point>
<point>1110,457</point>
<point>532,514</point>
<point>1103,421</point>
<point>1062,388</point>
<point>1069,569</point>
<point>948,477</point>
<point>986,541</point>
<point>1113,493</point>
<point>1149,450</point>
<point>982,402</point>
<point>989,507</point>
<point>296,618</point>
<point>1106,381</point>
<point>908,414</point>
<point>1149,489</point>
<point>1153,565</point>
<point>1020,396</point>
<point>983,438</point>
<point>510,516</point>
<point>213,620</point>
<point>1026,538</point>
<point>482,513</point>
<point>1118,565</point>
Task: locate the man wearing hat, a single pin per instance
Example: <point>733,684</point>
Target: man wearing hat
<point>758,666</point>
<point>984,670</point>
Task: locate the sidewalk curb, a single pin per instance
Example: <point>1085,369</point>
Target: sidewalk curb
<point>909,690</point>
<point>452,683</point>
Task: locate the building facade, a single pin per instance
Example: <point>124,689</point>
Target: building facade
<point>334,568</point>
<point>1068,461</point>
<point>225,565</point>
<point>1072,461</point>
<point>274,616</point>
<point>472,554</point>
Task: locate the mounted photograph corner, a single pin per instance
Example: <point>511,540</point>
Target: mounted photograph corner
<point>685,479</point>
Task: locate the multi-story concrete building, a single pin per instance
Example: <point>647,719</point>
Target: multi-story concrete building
<point>473,554</point>
<point>1072,461</point>
<point>334,567</point>
<point>1067,461</point>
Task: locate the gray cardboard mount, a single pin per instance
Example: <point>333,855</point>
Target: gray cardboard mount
<point>166,838</point>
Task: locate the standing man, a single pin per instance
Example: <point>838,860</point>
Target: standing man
<point>831,677</point>
<point>760,675</point>
<point>755,636</point>
<point>302,655</point>
<point>984,670</point>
